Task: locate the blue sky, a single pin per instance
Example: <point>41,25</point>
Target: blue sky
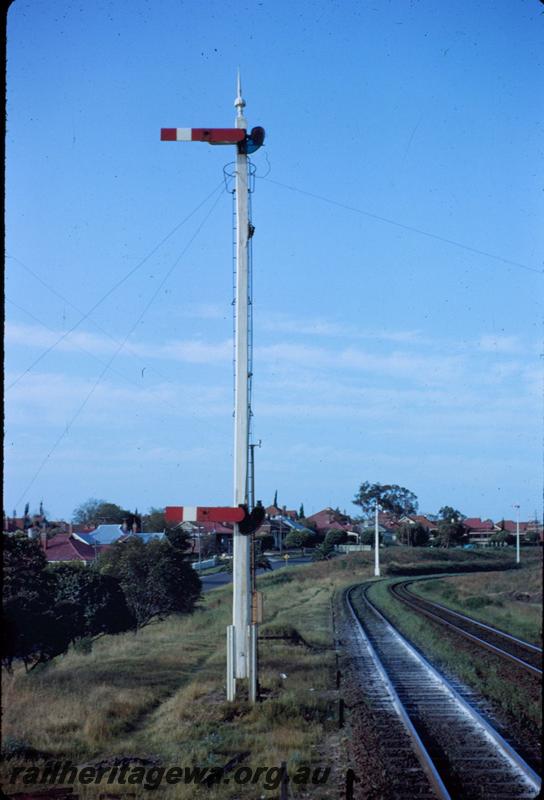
<point>381,354</point>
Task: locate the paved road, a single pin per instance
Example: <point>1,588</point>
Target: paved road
<point>220,578</point>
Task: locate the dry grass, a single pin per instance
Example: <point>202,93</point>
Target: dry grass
<point>161,692</point>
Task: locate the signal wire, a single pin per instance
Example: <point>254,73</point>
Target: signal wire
<point>90,353</point>
<point>401,225</point>
<point>79,311</point>
<point>116,286</point>
<point>116,353</point>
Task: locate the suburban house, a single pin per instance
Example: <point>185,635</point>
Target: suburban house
<point>215,536</point>
<point>63,547</point>
<point>479,531</point>
<point>109,534</point>
<point>275,511</point>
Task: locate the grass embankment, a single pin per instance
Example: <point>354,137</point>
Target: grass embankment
<point>516,695</point>
<point>161,693</point>
<point>511,601</point>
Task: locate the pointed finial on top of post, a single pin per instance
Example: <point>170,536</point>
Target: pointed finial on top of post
<point>239,104</point>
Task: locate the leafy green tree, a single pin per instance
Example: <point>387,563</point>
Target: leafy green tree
<point>390,497</point>
<point>90,603</point>
<point>334,537</point>
<point>30,631</point>
<point>450,514</point>
<point>301,511</point>
<point>450,533</point>
<point>413,535</point>
<point>155,520</point>
<point>156,578</point>
<point>275,503</point>
<point>368,536</point>
<point>96,512</point>
<point>297,539</point>
<point>179,539</point>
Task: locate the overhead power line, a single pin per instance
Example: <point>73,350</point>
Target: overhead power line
<point>115,286</point>
<point>410,228</point>
<point>115,354</point>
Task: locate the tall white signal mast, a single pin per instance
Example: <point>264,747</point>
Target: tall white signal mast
<point>242,634</point>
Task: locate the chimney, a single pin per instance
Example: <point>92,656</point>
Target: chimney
<point>43,539</point>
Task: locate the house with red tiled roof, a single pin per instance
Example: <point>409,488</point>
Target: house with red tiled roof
<point>420,519</point>
<point>479,531</point>
<point>510,526</point>
<point>65,548</point>
<point>275,511</point>
<point>328,519</point>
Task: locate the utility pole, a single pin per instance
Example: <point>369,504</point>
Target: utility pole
<point>517,534</point>
<point>376,544</point>
<point>241,635</point>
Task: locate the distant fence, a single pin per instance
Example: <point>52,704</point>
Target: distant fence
<point>352,548</point>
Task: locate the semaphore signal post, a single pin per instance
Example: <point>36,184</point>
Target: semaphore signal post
<point>242,634</point>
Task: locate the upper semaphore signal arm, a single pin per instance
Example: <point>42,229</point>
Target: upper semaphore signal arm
<point>210,135</point>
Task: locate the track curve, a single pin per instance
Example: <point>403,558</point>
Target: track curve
<point>469,758</point>
<point>523,654</point>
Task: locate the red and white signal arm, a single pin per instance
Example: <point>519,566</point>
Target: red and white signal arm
<point>176,514</point>
<point>210,135</point>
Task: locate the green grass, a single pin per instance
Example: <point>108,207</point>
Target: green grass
<point>511,601</point>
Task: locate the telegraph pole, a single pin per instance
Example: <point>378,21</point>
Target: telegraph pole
<point>376,544</point>
<point>517,534</point>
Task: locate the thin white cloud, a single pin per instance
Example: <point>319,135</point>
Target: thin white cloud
<point>191,351</point>
<point>499,343</point>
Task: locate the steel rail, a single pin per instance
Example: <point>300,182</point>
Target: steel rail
<point>419,605</point>
<point>423,755</point>
<point>457,703</point>
<point>478,622</point>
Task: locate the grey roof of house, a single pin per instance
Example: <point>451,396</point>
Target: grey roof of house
<point>108,534</point>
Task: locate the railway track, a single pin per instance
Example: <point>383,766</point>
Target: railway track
<point>460,754</point>
<point>523,654</point>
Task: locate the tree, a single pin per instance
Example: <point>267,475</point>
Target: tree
<point>413,535</point>
<point>450,533</point>
<point>95,512</point>
<point>390,497</point>
<point>155,520</point>
<point>368,536</point>
<point>90,603</point>
<point>30,631</point>
<point>297,539</point>
<point>334,537</point>
<point>156,578</point>
<point>275,503</point>
<point>301,511</point>
<point>450,514</point>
